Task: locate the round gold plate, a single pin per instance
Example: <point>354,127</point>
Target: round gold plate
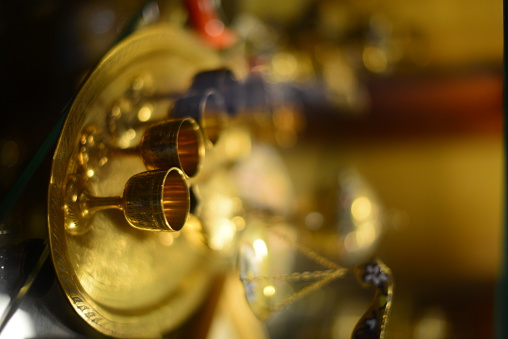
<point>122,281</point>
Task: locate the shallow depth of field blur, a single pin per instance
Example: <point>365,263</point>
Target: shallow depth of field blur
<point>413,93</point>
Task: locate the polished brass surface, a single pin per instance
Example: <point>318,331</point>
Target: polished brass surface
<point>176,142</point>
<point>157,200</point>
<point>122,281</point>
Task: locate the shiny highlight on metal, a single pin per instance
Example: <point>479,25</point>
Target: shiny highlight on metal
<point>173,143</point>
<point>157,200</point>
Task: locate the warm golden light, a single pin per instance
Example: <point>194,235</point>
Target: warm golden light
<point>284,66</point>
<point>375,59</point>
<point>166,239</point>
<point>237,143</point>
<point>223,234</point>
<point>269,291</point>
<point>362,238</point>
<point>260,248</point>
<point>366,234</point>
<point>361,208</point>
<point>239,222</point>
<point>314,220</point>
<point>432,325</point>
<point>126,138</point>
<point>144,113</point>
<point>137,84</point>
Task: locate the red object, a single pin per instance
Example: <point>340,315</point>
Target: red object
<point>207,23</point>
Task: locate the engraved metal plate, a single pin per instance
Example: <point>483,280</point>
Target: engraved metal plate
<point>122,281</point>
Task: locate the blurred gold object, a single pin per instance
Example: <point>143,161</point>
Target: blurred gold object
<point>268,258</point>
<point>123,281</point>
<point>208,110</point>
<point>277,270</point>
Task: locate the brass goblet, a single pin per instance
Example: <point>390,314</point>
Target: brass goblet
<point>156,200</point>
<point>171,143</point>
<point>224,82</point>
<point>208,109</point>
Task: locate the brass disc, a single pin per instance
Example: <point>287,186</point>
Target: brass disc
<point>122,281</point>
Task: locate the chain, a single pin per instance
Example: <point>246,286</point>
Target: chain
<point>306,290</point>
<point>316,257</point>
<point>299,276</point>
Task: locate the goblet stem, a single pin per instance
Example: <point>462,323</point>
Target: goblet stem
<point>131,151</point>
<point>94,204</point>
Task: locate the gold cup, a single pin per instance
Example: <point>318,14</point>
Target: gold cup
<point>156,200</point>
<point>171,143</point>
<point>208,109</point>
<point>166,144</point>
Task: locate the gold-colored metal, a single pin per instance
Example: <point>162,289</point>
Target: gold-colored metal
<point>157,200</point>
<point>374,273</point>
<point>165,144</point>
<point>126,282</point>
<point>177,142</point>
<point>153,200</point>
